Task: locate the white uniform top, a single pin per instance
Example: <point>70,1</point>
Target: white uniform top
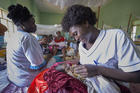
<point>112,44</point>
<point>23,52</point>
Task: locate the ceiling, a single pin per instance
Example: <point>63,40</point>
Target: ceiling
<point>59,6</point>
<point>45,6</point>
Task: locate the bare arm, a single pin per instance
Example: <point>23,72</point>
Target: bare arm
<point>116,74</point>
<point>120,75</point>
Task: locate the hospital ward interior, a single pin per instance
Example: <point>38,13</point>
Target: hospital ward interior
<point>69,46</point>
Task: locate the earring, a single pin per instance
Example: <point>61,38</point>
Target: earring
<point>23,27</point>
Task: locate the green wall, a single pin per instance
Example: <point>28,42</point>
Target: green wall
<point>35,11</point>
<point>50,18</point>
<point>28,3</point>
<point>115,13</point>
<point>5,3</point>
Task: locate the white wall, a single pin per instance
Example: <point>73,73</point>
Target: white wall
<point>48,29</point>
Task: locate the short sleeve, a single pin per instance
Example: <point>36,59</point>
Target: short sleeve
<point>60,40</point>
<point>33,52</point>
<point>128,54</point>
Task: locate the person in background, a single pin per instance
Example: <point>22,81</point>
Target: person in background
<point>59,37</point>
<point>70,52</point>
<point>109,53</point>
<point>72,42</point>
<point>50,38</point>
<point>46,48</point>
<point>138,37</point>
<point>59,44</point>
<point>24,55</point>
<point>44,44</point>
<point>44,41</point>
<point>3,29</point>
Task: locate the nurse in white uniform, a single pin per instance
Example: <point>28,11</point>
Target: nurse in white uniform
<point>24,55</point>
<point>109,53</point>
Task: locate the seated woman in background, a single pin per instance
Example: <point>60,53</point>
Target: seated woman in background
<point>59,37</point>
<point>70,52</point>
<point>44,43</point>
<point>58,44</point>
<point>3,29</point>
<point>24,55</point>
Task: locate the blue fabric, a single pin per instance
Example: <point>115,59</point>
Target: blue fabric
<point>2,67</point>
<point>1,41</point>
<point>39,37</point>
<point>138,36</point>
<point>58,52</point>
<point>39,66</point>
<point>58,59</point>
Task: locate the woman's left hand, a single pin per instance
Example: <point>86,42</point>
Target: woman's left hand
<point>85,70</point>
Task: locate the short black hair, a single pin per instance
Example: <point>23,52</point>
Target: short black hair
<point>77,15</point>
<point>18,13</point>
<point>45,36</point>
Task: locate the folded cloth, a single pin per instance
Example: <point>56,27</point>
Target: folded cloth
<point>38,85</point>
<point>60,82</point>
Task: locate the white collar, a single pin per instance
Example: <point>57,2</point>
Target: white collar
<point>95,45</point>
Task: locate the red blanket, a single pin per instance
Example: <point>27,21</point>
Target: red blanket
<point>59,82</point>
<point>53,81</point>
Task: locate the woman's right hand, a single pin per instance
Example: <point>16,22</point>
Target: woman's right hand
<point>85,71</point>
<point>66,67</point>
<point>60,67</point>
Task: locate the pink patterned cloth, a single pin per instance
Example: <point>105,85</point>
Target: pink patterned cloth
<point>59,82</point>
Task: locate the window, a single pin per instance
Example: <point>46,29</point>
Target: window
<point>135,34</point>
<point>9,24</point>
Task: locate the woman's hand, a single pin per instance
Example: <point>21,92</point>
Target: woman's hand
<point>60,67</point>
<point>65,67</point>
<point>86,70</point>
